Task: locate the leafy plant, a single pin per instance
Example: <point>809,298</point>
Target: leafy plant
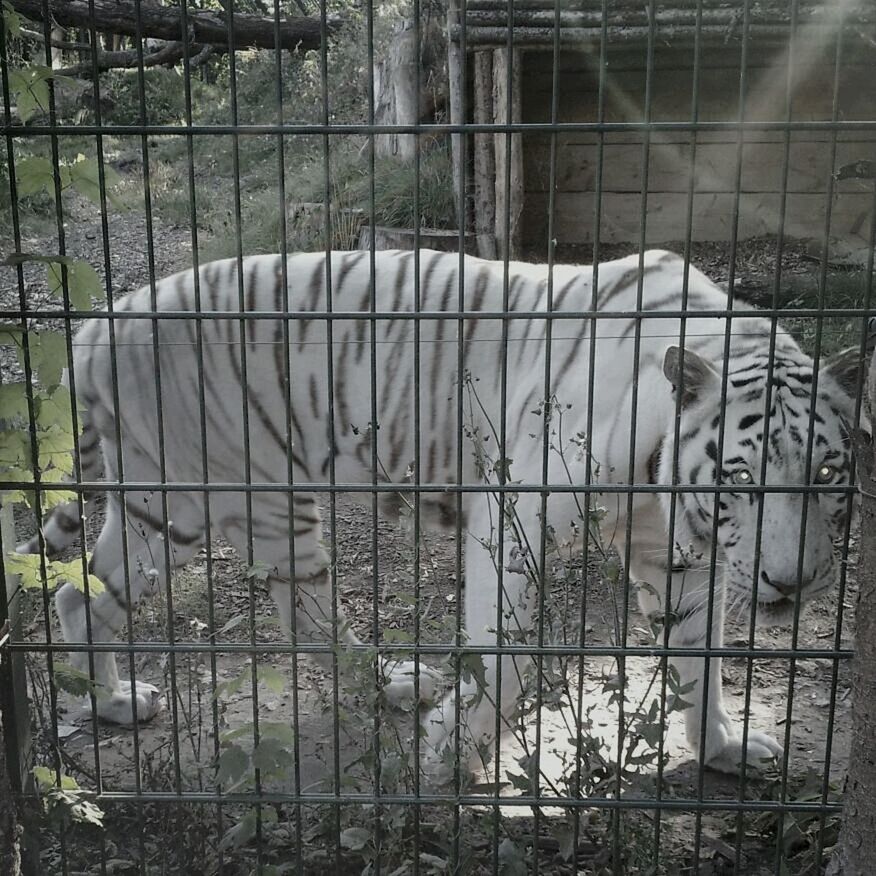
<point>64,802</point>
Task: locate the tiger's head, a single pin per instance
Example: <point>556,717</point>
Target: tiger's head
<point>775,546</point>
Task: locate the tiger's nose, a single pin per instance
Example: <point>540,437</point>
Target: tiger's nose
<point>786,588</point>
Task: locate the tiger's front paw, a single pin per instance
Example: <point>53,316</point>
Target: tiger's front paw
<point>726,755</point>
<point>399,687</point>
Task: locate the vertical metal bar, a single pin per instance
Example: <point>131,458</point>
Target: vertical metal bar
<point>74,415</point>
<point>459,327</point>
<point>634,405</point>
<point>781,865</point>
<point>780,232</point>
<point>159,424</point>
<point>117,425</point>
<point>120,468</point>
<point>418,471</point>
<point>202,405</point>
<point>591,369</point>
<point>725,369</point>
<point>503,455</point>
<point>375,425</point>
<point>59,222</point>
<point>676,434</point>
<point>244,385</point>
<point>547,406</point>
<point>290,471</point>
<point>330,381</point>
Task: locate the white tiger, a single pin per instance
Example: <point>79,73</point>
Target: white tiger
<point>287,364</point>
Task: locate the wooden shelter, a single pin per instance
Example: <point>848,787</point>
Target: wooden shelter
<point>570,65</point>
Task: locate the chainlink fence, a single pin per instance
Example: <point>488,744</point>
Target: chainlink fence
<point>144,139</point>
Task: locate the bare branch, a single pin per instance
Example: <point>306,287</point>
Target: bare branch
<point>167,55</point>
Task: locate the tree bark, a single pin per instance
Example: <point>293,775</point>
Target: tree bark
<point>855,851</point>
<point>397,82</point>
<point>484,158</point>
<point>166,23</point>
<point>508,151</point>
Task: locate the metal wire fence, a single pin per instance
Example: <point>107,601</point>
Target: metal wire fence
<point>259,762</point>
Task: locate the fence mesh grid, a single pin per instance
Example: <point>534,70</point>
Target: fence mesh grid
<point>255,768</point>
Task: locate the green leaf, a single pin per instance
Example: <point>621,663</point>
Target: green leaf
<point>511,861</point>
<point>271,757</point>
<point>76,682</point>
<point>54,409</point>
<point>13,400</point>
<point>72,571</point>
<point>83,283</point>
<point>472,666</point>
<point>279,730</point>
<point>28,566</point>
<point>245,829</point>
<point>15,450</point>
<point>10,335</point>
<point>258,571</point>
<point>34,174</point>
<point>397,637</point>
<point>11,21</point>
<point>85,177</point>
<point>232,686</point>
<point>232,765</point>
<point>45,777</point>
<point>30,90</point>
<point>355,838</point>
<point>48,356</point>
<point>51,498</point>
<point>273,678</point>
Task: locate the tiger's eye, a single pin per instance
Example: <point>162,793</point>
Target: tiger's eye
<point>825,474</point>
<point>742,477</point>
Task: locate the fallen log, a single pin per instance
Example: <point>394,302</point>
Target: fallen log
<point>166,23</point>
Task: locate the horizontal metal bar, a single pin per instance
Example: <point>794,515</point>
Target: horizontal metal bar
<point>436,315</point>
<point>855,125</point>
<point>543,489</point>
<point>433,649</point>
<point>676,804</point>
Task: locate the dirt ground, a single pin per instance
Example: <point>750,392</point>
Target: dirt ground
<point>176,750</point>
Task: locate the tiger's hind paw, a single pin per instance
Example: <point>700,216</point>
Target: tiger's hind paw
<point>118,706</point>
<point>760,752</point>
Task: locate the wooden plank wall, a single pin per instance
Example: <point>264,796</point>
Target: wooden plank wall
<point>758,161</point>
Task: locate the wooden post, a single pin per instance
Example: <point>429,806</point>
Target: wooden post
<point>509,149</point>
<point>855,850</point>
<point>14,711</point>
<point>456,79</point>
<point>484,157</point>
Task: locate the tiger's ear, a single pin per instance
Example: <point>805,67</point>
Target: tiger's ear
<point>848,367</point>
<point>693,377</point>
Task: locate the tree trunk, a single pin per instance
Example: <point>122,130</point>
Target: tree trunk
<point>397,81</point>
<point>165,23</point>
<point>855,851</point>
<point>508,151</point>
<point>484,158</point>
<point>10,829</point>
